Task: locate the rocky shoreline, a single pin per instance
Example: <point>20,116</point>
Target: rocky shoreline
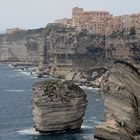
<point>88,60</point>
<point>91,78</point>
<point>120,89</point>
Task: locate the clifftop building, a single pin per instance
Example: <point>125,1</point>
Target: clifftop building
<point>12,30</point>
<point>64,21</point>
<point>101,22</point>
<point>119,23</point>
<point>93,21</point>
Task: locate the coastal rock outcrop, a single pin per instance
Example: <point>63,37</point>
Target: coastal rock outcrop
<point>91,77</point>
<point>22,46</point>
<point>121,92</point>
<point>58,106</point>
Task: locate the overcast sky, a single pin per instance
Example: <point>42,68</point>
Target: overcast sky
<point>37,13</point>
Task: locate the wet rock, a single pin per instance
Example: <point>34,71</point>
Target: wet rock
<point>121,92</point>
<point>58,106</point>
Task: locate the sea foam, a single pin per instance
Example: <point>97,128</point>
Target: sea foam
<point>14,90</point>
<point>86,127</point>
<point>28,131</point>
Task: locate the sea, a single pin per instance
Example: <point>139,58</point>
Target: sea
<point>16,121</point>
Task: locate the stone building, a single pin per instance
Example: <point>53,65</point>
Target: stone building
<point>101,22</point>
<point>93,21</point>
<point>12,30</point>
<point>64,21</point>
<point>119,23</point>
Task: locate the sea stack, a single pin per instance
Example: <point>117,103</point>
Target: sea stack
<point>58,106</point>
<point>121,92</point>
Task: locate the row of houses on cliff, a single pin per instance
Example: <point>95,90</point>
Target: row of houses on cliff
<point>101,22</point>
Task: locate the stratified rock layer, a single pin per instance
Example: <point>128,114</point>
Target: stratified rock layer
<point>121,92</point>
<point>58,106</point>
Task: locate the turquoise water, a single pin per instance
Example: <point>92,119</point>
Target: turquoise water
<point>16,110</point>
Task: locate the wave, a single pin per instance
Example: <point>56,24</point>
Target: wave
<point>97,100</point>
<point>93,117</point>
<point>25,73</point>
<point>86,127</point>
<point>89,88</point>
<point>97,122</point>
<point>11,66</point>
<point>19,70</point>
<point>28,131</point>
<point>97,89</point>
<point>14,90</point>
<point>85,87</point>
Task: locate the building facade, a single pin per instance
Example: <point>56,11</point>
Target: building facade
<point>64,21</point>
<point>124,22</point>
<point>12,30</point>
<point>93,21</point>
<point>101,22</point>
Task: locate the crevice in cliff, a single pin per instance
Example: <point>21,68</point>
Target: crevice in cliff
<point>128,64</point>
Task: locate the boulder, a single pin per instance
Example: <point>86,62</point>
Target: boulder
<point>58,106</point>
<point>77,76</point>
<point>120,88</point>
<point>70,75</point>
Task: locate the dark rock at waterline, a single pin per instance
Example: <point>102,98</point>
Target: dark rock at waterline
<point>58,106</point>
<point>121,92</point>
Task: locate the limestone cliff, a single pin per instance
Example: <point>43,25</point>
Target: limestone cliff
<point>22,46</point>
<point>126,49</point>
<point>58,106</point>
<point>71,50</point>
<point>63,49</point>
<point>121,92</point>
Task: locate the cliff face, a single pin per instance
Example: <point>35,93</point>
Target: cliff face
<point>22,46</point>
<point>58,106</point>
<point>126,49</point>
<point>65,49</point>
<point>70,50</point>
<point>121,92</point>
